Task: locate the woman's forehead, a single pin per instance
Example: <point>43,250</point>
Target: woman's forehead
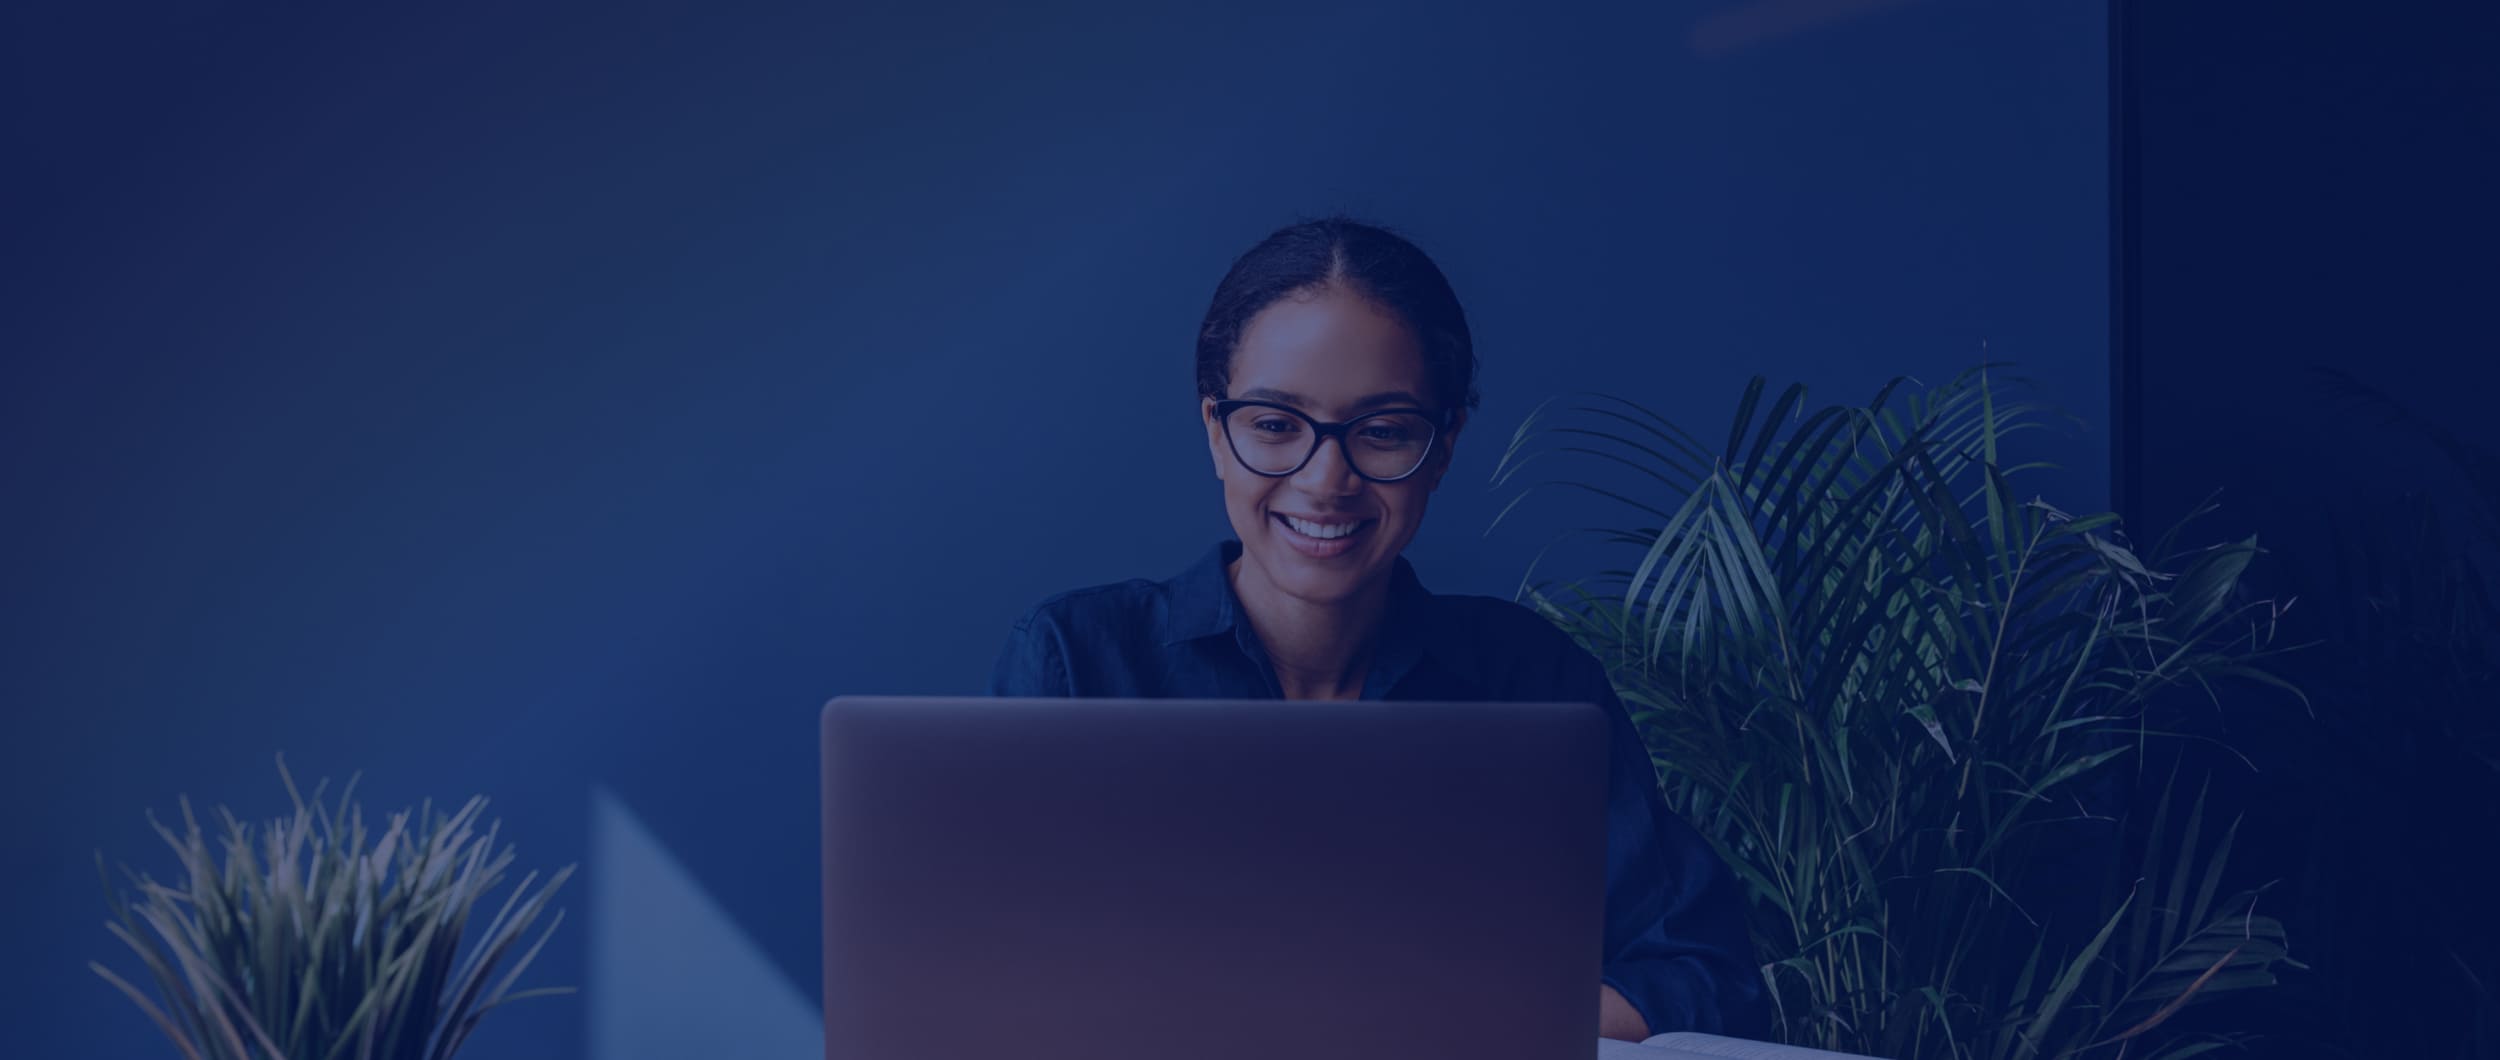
<point>1328,352</point>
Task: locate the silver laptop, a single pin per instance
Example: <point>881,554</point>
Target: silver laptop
<point>1205,880</point>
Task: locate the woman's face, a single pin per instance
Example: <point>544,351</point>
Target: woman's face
<point>1334,355</point>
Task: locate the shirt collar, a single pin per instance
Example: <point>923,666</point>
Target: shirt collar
<point>1200,602</point>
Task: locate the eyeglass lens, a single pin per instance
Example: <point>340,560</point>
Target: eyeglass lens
<point>1275,442</point>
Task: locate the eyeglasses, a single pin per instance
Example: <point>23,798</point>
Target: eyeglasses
<point>1278,440</point>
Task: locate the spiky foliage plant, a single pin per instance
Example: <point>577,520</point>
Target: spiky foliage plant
<point>1899,699</point>
<point>309,937</point>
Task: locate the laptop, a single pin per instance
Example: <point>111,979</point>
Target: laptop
<point>1207,880</point>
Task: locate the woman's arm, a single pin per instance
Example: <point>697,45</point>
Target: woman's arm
<point>1678,951</point>
<point>1617,1019</point>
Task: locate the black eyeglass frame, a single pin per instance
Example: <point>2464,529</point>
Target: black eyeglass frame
<point>1321,432</point>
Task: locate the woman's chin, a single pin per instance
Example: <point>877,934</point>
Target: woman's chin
<point>1318,579</point>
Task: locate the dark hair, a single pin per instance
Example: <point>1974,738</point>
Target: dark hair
<point>1365,259</point>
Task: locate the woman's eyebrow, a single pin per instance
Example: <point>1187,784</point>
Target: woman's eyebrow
<point>1266,393</point>
<point>1392,397</point>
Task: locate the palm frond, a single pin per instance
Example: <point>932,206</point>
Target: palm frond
<point>1878,680</point>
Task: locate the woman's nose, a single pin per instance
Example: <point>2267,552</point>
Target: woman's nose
<point>1328,471</point>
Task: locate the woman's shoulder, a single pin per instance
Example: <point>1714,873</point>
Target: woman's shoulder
<point>1492,627</point>
<point>1062,645</point>
<point>1189,598</point>
<point>1092,606</point>
<point>1507,649</point>
<point>1495,616</point>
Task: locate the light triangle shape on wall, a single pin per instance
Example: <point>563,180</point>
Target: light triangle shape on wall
<point>671,975</point>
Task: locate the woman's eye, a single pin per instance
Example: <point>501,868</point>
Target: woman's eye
<point>1275,425</point>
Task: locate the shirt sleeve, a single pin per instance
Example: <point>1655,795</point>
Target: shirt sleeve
<point>1034,662</point>
<point>1677,945</point>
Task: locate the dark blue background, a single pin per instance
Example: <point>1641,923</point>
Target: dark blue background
<point>2308,186</point>
<point>523,401</point>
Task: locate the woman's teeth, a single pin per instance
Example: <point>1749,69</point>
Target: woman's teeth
<point>1322,531</point>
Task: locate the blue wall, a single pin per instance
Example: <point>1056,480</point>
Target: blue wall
<point>2311,188</point>
<point>528,401</point>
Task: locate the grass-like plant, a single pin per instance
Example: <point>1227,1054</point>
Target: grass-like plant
<point>314,939</point>
<point>1889,690</point>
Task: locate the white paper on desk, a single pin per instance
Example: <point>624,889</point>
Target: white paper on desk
<point>1689,1045</point>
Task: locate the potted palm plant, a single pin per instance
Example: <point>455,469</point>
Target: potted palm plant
<point>314,938</point>
<point>1898,699</point>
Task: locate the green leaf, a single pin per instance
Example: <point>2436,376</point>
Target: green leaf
<point>2076,767</point>
<point>2206,585</point>
<point>2058,995</point>
<point>1925,713</point>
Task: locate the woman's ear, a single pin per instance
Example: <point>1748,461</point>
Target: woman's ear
<point>1216,446</point>
<point>1446,447</point>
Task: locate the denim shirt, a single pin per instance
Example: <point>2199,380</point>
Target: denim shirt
<point>1676,945</point>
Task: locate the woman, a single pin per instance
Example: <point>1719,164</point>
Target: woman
<point>1338,332</point>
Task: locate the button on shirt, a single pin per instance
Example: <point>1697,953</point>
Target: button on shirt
<point>1675,939</point>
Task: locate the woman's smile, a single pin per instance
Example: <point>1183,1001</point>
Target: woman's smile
<point>1321,537</point>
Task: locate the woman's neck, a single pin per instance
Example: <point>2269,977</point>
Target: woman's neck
<point>1319,650</point>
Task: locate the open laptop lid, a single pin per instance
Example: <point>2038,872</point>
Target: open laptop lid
<point>1120,879</point>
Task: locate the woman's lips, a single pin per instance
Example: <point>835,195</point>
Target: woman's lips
<point>1322,547</point>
